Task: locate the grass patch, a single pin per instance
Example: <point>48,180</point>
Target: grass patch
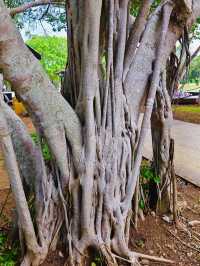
<point>187,108</point>
<point>187,113</point>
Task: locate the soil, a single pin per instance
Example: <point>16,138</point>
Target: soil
<point>4,183</point>
<point>6,209</point>
<point>159,238</point>
<point>55,259</point>
<point>154,236</point>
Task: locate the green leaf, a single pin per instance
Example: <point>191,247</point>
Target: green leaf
<point>53,51</point>
<point>45,148</point>
<point>141,204</point>
<point>156,179</point>
<point>146,172</point>
<point>8,257</point>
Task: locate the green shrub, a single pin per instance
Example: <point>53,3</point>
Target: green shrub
<point>54,54</point>
<point>147,175</point>
<point>8,255</point>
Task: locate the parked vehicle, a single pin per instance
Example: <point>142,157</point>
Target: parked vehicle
<point>186,97</point>
<point>8,96</point>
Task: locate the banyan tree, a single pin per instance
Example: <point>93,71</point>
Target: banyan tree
<point>85,196</point>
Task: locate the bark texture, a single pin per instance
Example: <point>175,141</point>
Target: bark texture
<point>83,196</point>
<point>161,123</point>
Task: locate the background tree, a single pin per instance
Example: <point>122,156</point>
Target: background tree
<point>53,51</point>
<point>183,63</point>
<point>83,195</point>
<point>38,12</point>
<point>194,73</point>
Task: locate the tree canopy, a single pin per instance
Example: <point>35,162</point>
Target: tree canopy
<point>54,54</point>
<point>194,73</point>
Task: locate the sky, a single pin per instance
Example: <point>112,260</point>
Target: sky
<point>43,30</point>
<point>194,45</point>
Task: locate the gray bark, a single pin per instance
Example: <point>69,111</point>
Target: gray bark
<point>161,123</point>
<point>25,221</point>
<point>94,138</point>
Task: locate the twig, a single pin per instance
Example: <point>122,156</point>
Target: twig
<point>193,211</point>
<point>194,223</point>
<point>121,258</point>
<point>174,185</point>
<point>194,232</point>
<point>196,238</point>
<point>144,256</point>
<point>23,8</point>
<point>153,258</point>
<point>185,244</point>
<point>136,203</point>
<point>5,202</point>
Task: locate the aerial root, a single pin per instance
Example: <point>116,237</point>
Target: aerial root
<point>135,256</point>
<point>138,256</point>
<point>152,258</point>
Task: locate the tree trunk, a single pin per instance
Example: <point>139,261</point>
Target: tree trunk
<point>86,189</point>
<point>161,123</point>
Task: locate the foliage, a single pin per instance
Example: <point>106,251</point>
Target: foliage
<point>19,18</point>
<point>54,54</point>
<point>194,74</point>
<point>195,30</point>
<point>97,260</point>
<point>45,149</point>
<point>190,87</point>
<point>55,16</point>
<point>135,5</point>
<point>147,175</point>
<point>8,255</point>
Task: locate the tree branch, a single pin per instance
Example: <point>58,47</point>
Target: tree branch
<point>167,9</point>
<point>195,53</point>
<point>25,149</point>
<point>140,70</point>
<point>25,7</point>
<point>16,184</point>
<point>51,114</point>
<point>135,34</point>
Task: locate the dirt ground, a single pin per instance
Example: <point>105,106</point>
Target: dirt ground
<point>159,238</point>
<point>154,236</point>
<point>4,183</point>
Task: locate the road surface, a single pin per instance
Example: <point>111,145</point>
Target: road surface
<point>187,150</point>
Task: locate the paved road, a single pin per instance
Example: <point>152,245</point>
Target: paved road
<point>187,150</point>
